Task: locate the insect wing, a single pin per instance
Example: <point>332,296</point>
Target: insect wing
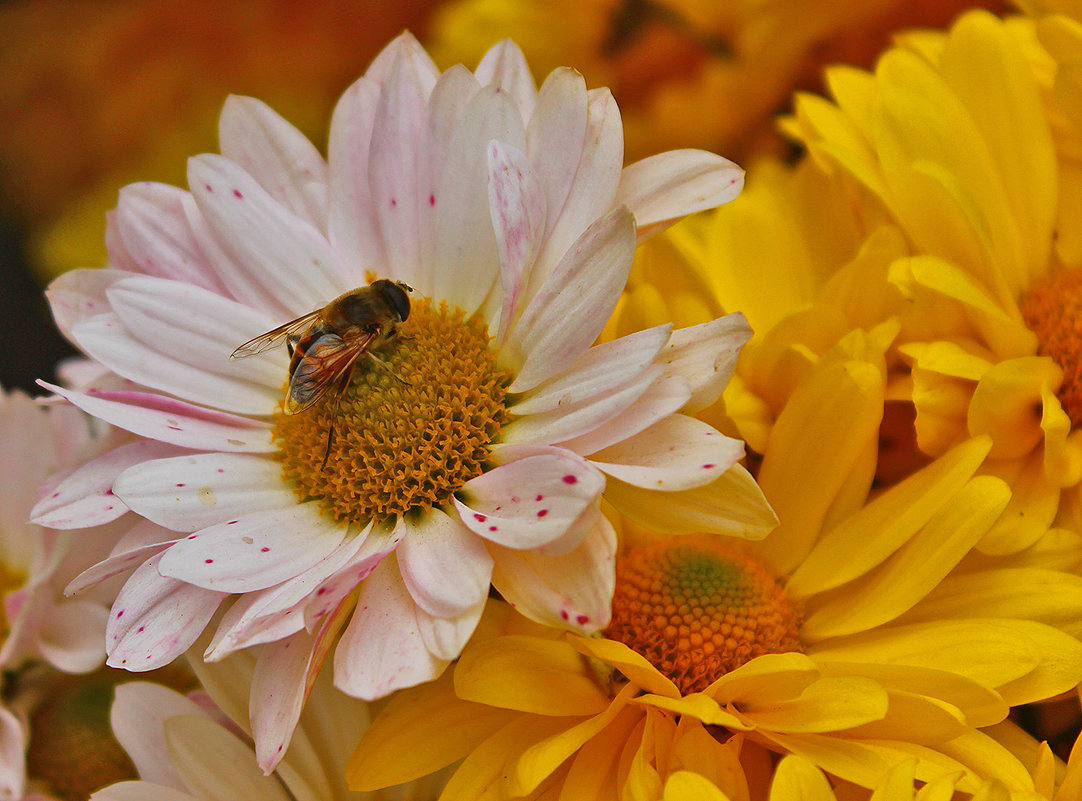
<point>326,364</point>
<point>265,342</point>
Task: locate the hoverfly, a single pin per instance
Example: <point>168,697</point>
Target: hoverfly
<point>325,344</point>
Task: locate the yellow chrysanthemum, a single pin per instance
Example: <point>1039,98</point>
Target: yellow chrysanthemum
<point>669,60</point>
<point>878,644</point>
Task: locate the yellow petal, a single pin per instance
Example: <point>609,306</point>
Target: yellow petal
<point>991,652</point>
<point>698,706</point>
<point>797,779</point>
<point>1007,404</point>
<point>540,760</point>
<point>840,403</point>
<point>830,704</point>
<point>989,759</point>
<point>593,771</point>
<point>916,568</point>
<point>1062,446</point>
<point>913,717</point>
<point>771,677</point>
<point>723,764</point>
<point>1031,510</point>
<point>529,674</point>
<point>870,535</point>
<point>980,705</point>
<point>687,786</point>
<point>637,669</point>
<point>1059,670</point>
<point>420,731</point>
<point>898,784</point>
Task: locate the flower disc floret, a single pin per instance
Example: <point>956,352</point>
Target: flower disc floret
<point>409,430</point>
<point>1053,311</point>
<point>697,608</point>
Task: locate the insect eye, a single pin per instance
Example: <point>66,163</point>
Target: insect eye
<point>394,292</point>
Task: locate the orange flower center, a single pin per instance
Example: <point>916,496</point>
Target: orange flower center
<point>1053,311</point>
<point>696,608</point>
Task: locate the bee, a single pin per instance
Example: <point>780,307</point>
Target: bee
<point>324,345</point>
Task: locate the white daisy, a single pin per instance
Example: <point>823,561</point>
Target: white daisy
<point>471,450</point>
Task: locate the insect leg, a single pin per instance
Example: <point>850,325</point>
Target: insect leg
<point>387,367</point>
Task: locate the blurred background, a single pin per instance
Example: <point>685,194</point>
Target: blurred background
<point>96,94</point>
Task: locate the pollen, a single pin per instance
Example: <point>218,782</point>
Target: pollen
<point>696,608</point>
<point>1053,311</point>
<point>410,429</point>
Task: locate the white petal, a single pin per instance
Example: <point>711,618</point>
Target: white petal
<point>504,66</point>
<point>571,591</point>
<point>517,208</point>
<point>187,493</point>
<point>592,191</point>
<point>214,764</point>
<point>139,791</point>
<point>12,755</point>
<point>154,620</point>
<point>255,551</point>
<point>677,453</point>
<point>274,153</point>
<point>167,420</point>
<point>151,222</point>
<point>705,355</point>
<point>601,369</point>
<point>80,294</point>
<point>664,397</point>
<point>279,687</point>
<point>582,416</point>
<point>107,340</point>
<point>85,497</point>
<point>295,261</point>
<point>404,47</point>
<point>137,717</point>
<point>733,505</point>
<point>529,502</point>
<point>570,309</point>
<point>465,243</point>
<point>448,103</point>
<point>444,637</point>
<point>351,221</point>
<point>445,567</point>
<point>382,649</point>
<point>277,611</point>
<point>379,544</point>
<point>72,637</point>
<point>195,326</point>
<point>117,563</point>
<point>556,135</point>
<point>668,186</point>
<point>392,164</point>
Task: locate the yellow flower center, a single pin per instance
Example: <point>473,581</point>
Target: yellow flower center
<point>407,433</point>
<point>1053,310</point>
<point>696,608</point>
<point>10,580</point>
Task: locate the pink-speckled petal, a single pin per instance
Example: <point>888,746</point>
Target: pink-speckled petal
<point>505,67</point>
<point>676,453</point>
<point>80,294</point>
<point>190,492</point>
<point>85,497</point>
<point>154,619</point>
<point>275,153</point>
<point>445,567</point>
<point>666,187</point>
<point>292,258</point>
<point>121,561</point>
<point>573,590</point>
<point>169,420</point>
<point>382,649</point>
<point>280,682</point>
<point>529,502</point>
<point>569,310</point>
<point>517,209</point>
<point>151,224</point>
<point>256,551</point>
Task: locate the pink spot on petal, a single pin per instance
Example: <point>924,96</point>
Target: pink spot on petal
<point>582,620</point>
<point>708,466</point>
<point>175,428</point>
<point>321,590</point>
<point>539,498</point>
<point>542,512</point>
<point>393,203</point>
<point>563,614</point>
<point>571,479</point>
<point>221,469</point>
<point>141,629</point>
<point>208,561</point>
<point>180,485</point>
<point>192,536</point>
<point>431,200</point>
<point>264,549</point>
<point>493,528</point>
<point>236,193</point>
<point>120,614</point>
<point>515,499</point>
<point>208,187</point>
<point>232,522</point>
<point>480,518</point>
